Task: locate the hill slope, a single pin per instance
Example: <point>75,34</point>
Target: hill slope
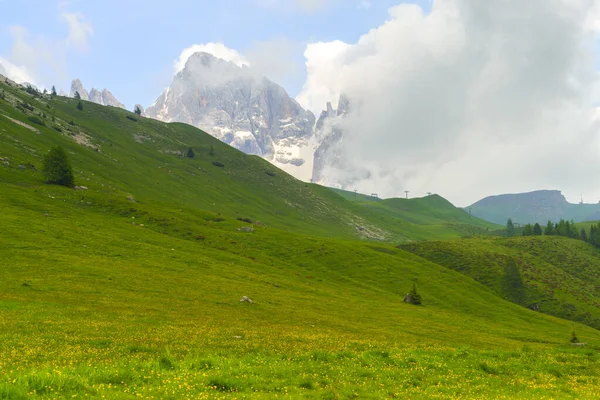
<point>109,296</point>
<point>554,275</point>
<point>123,155</point>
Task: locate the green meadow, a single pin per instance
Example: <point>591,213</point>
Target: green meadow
<point>132,288</point>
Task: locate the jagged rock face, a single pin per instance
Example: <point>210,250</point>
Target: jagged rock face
<point>3,71</point>
<point>239,107</point>
<point>332,166</point>
<point>77,86</point>
<point>109,100</point>
<point>104,97</point>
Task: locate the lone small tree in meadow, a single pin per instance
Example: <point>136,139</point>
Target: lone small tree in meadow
<point>137,111</point>
<point>537,230</point>
<point>211,152</point>
<point>413,297</point>
<point>53,92</point>
<point>574,338</point>
<point>77,96</point>
<point>80,106</point>
<point>57,167</point>
<point>190,153</point>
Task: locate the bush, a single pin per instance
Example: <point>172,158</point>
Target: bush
<point>80,106</point>
<point>218,164</point>
<point>57,167</point>
<point>36,120</point>
<point>129,117</point>
<point>190,153</point>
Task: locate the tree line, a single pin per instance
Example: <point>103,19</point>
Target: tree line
<point>562,228</point>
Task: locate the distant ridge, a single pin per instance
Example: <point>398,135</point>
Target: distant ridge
<point>537,206</point>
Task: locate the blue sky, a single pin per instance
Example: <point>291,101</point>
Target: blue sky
<point>134,42</point>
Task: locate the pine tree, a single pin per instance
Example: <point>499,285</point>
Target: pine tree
<point>190,153</point>
<point>77,96</point>
<point>549,231</point>
<point>583,235</point>
<point>537,230</point>
<point>528,230</point>
<point>510,228</point>
<point>415,297</point>
<point>53,92</point>
<point>80,106</point>
<point>137,111</point>
<point>211,152</point>
<point>57,167</point>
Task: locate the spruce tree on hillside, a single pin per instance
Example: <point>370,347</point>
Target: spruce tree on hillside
<point>549,231</point>
<point>537,230</point>
<point>583,235</point>
<point>190,153</point>
<point>137,111</point>
<point>53,92</point>
<point>528,230</point>
<point>80,106</point>
<point>57,167</point>
<point>77,96</point>
<point>510,228</point>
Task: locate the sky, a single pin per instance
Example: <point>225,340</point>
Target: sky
<point>465,98</point>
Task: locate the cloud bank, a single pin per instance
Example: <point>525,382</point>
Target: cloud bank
<point>40,60</point>
<point>474,98</point>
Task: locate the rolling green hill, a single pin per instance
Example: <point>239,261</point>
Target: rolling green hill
<point>132,287</point>
<point>560,276</point>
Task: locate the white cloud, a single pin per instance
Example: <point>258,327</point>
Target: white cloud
<point>42,60</point>
<point>474,98</point>
<point>218,50</point>
<point>17,73</point>
<point>364,5</point>
<point>306,6</point>
<point>79,30</point>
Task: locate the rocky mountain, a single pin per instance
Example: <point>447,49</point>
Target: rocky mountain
<point>241,108</point>
<point>3,71</point>
<point>332,166</point>
<point>104,97</point>
<point>539,206</point>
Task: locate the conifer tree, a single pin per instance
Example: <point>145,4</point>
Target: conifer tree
<point>510,228</point>
<point>80,106</point>
<point>190,153</point>
<point>537,230</point>
<point>77,96</point>
<point>53,92</point>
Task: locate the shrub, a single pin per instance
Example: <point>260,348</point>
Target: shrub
<point>129,117</point>
<point>270,173</point>
<point>218,164</point>
<point>414,296</point>
<point>190,153</point>
<point>57,167</point>
<point>36,120</point>
<point>248,220</point>
<point>26,106</point>
<point>80,106</point>
<point>574,338</point>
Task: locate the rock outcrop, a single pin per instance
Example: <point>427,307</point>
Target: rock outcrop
<point>241,108</point>
<point>104,97</point>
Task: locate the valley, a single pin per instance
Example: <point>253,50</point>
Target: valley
<point>129,284</point>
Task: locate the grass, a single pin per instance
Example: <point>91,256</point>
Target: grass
<point>132,288</point>
<point>561,276</point>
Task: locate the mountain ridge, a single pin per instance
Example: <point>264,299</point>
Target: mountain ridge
<point>538,206</point>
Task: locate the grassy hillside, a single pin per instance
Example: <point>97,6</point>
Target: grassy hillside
<point>132,288</point>
<point>425,218</point>
<point>560,276</point>
<point>123,155</point>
